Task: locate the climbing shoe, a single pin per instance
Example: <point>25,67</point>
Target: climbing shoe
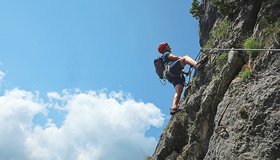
<point>201,62</point>
<point>173,111</point>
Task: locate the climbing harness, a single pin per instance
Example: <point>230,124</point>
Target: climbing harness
<point>163,80</point>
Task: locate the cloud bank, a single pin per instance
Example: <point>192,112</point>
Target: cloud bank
<point>96,126</point>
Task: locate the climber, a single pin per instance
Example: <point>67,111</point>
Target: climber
<point>175,64</point>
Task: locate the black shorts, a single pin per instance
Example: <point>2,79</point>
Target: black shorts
<point>176,69</point>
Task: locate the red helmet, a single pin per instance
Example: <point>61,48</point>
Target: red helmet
<point>161,47</point>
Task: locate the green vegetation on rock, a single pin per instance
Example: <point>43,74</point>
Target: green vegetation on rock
<point>221,59</point>
<point>209,43</point>
<point>219,32</point>
<point>196,8</point>
<point>271,32</point>
<point>222,29</point>
<point>219,62</point>
<point>251,43</point>
<point>224,7</point>
<point>245,73</point>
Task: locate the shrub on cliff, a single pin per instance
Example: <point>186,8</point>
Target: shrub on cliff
<point>251,43</point>
<point>196,8</point>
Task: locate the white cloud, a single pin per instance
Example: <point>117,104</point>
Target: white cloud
<point>2,75</point>
<point>17,109</point>
<point>54,95</point>
<point>97,126</point>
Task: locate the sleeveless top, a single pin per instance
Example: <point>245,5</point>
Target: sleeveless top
<point>166,60</point>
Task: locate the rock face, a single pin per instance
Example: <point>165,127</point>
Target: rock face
<point>232,110</point>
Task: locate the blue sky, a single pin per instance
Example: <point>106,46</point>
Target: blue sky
<point>54,50</point>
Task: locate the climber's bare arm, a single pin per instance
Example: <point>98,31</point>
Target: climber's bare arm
<point>173,57</point>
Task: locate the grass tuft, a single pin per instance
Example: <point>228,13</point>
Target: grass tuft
<point>245,73</point>
<point>251,43</point>
<point>222,30</point>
